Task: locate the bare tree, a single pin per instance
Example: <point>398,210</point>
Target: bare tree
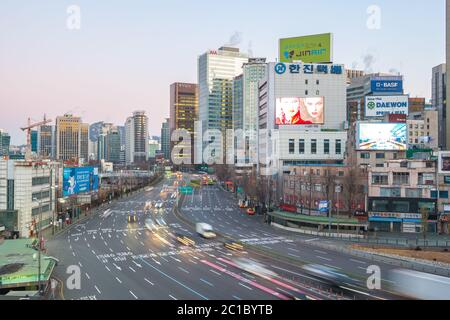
<point>352,188</point>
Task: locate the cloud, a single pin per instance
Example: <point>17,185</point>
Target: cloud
<point>235,39</point>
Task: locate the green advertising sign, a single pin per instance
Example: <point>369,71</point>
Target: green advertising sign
<point>309,49</point>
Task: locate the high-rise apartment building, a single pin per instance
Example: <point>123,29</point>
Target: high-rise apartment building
<point>183,113</point>
<point>439,99</point>
<point>216,71</point>
<point>71,138</point>
<point>136,138</point>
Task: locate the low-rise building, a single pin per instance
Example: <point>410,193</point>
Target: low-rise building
<point>403,196</point>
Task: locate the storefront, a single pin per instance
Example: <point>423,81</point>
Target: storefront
<point>395,222</point>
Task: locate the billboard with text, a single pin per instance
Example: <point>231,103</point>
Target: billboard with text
<point>80,180</point>
<point>309,49</point>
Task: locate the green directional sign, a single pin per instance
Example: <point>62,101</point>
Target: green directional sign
<point>186,190</point>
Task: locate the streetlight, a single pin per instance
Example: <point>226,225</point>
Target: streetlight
<point>51,204</point>
<point>39,242</point>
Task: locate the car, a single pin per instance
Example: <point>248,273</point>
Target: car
<point>159,205</point>
<point>205,230</point>
<point>132,218</point>
<point>251,211</point>
<point>329,275</point>
<point>184,239</point>
<point>254,267</point>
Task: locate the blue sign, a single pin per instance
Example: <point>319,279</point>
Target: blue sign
<point>323,206</point>
<point>387,86</point>
<point>80,180</point>
<point>280,68</point>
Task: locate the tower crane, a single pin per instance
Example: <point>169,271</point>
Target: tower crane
<point>28,131</point>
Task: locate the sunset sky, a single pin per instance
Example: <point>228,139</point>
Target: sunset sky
<point>127,53</point>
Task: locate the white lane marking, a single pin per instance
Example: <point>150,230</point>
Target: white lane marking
<point>128,249</point>
<point>98,290</point>
<point>132,269</point>
<point>243,285</point>
<point>358,261</point>
<point>184,270</point>
<point>149,281</point>
<point>79,263</point>
<point>107,268</point>
<point>142,244</point>
<point>118,280</point>
<point>215,272</point>
<point>295,250</point>
<point>87,276</point>
<point>172,297</point>
<point>333,267</point>
<point>320,252</point>
<point>365,269</point>
<point>73,253</point>
<point>323,258</point>
<point>236,297</point>
<point>133,295</point>
<point>207,282</point>
<point>93,252</point>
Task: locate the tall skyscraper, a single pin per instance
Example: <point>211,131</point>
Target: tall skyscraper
<point>246,102</point>
<point>5,141</point>
<point>183,112</point>
<point>165,139</point>
<point>71,139</point>
<point>46,141</point>
<point>136,138</point>
<point>447,29</point>
<point>216,71</point>
<point>439,98</point>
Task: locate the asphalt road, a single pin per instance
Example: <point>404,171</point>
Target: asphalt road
<point>122,260</point>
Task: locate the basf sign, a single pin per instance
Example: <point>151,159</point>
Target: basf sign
<point>379,106</point>
<point>309,49</point>
<point>387,86</point>
<point>80,180</point>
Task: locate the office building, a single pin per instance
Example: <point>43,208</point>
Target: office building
<point>378,84</point>
<point>439,99</point>
<point>216,71</point>
<point>447,46</point>
<point>302,116</point>
<point>183,114</point>
<point>34,141</point>
<point>5,141</point>
<point>423,130</point>
<point>165,139</point>
<point>46,141</point>
<point>27,189</point>
<point>352,74</point>
<point>136,138</point>
<point>72,139</point>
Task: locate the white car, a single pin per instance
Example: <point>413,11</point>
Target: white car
<point>159,205</point>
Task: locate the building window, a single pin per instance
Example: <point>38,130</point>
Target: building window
<point>301,146</point>
<point>380,205</point>
<point>317,82</point>
<point>291,146</point>
<point>39,181</point>
<point>306,92</point>
<point>313,146</point>
<point>380,155</point>
<point>400,206</point>
<point>338,146</point>
<point>442,194</point>
<point>365,155</point>
<point>426,179</point>
<point>326,146</point>
<point>306,81</point>
<point>390,192</point>
<point>379,165</point>
<point>413,193</point>
<point>380,179</point>
<point>401,178</point>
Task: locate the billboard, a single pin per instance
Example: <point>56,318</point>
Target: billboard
<point>300,111</point>
<point>379,106</point>
<point>444,162</point>
<point>387,86</point>
<point>382,136</point>
<point>309,49</point>
<point>80,180</point>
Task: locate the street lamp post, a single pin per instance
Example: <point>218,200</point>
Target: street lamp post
<point>39,242</point>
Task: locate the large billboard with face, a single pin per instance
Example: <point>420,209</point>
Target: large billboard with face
<point>382,136</point>
<point>309,49</point>
<point>300,111</point>
<point>80,180</point>
<point>379,106</point>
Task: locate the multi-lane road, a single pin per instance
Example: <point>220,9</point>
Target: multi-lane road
<point>144,260</point>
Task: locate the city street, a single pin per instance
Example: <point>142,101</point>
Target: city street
<point>121,260</point>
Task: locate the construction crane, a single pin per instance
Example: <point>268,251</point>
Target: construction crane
<point>28,131</point>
